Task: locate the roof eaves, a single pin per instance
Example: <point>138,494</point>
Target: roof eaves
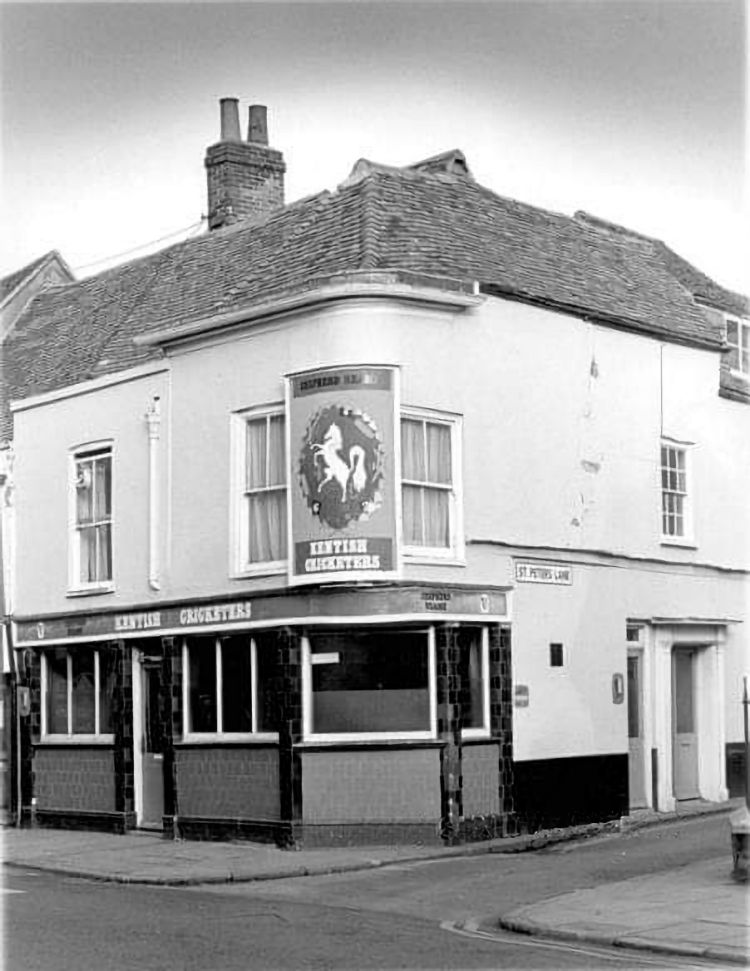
<point>607,320</point>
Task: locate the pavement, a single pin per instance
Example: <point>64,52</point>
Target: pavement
<point>696,910</point>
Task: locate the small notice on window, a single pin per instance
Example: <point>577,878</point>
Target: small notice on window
<point>328,657</point>
<point>536,572</point>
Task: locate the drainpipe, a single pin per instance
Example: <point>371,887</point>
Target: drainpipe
<point>153,421</point>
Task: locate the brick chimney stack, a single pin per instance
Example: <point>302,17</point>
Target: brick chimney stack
<point>245,179</point>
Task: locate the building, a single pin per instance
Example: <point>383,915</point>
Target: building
<point>404,511</point>
<point>17,290</point>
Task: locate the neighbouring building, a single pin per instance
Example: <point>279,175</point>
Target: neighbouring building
<point>17,290</point>
<point>403,511</point>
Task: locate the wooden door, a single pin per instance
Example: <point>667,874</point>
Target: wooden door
<point>685,737</point>
<point>152,750</point>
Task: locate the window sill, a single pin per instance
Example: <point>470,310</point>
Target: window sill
<point>369,738</point>
<point>428,558</point>
<point>76,740</point>
<point>90,591</point>
<point>328,742</point>
<point>475,734</point>
<point>227,738</point>
<point>276,568</point>
<point>685,544</point>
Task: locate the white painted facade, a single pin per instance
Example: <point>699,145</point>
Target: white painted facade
<point>562,423</point>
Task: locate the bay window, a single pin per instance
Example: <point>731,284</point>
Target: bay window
<point>77,689</point>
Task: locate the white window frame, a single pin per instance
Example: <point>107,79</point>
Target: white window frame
<point>78,454</point>
<point>743,326</point>
<point>455,551</point>
<point>687,537</point>
<point>80,738</point>
<point>240,566</point>
<point>484,730</point>
<point>429,734</point>
<point>188,735</point>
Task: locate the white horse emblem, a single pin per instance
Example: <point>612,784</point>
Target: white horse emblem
<point>347,471</point>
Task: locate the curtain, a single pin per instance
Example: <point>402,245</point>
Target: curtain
<point>436,517</point>
<point>84,492</point>
<point>102,488</point>
<point>267,526</point>
<point>438,454</point>
<point>256,454</point>
<point>412,450</point>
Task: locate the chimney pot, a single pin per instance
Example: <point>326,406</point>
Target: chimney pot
<point>257,127</point>
<point>230,120</point>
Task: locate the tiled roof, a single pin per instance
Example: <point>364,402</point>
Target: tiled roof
<point>432,218</point>
<point>11,282</point>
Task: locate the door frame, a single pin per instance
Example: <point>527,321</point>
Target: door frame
<point>708,641</point>
<point>137,680</point>
<point>635,650</point>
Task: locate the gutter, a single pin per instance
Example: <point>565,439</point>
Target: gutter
<point>606,320</point>
<point>378,284</point>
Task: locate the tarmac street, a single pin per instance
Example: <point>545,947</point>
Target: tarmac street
<point>442,911</point>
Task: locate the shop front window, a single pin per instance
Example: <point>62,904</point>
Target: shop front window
<point>77,689</point>
<point>473,662</point>
<point>229,686</point>
<point>370,683</point>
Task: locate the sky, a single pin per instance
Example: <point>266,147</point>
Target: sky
<point>634,110</point>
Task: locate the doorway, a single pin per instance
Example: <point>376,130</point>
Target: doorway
<point>148,741</point>
<point>684,727</point>
<point>636,741</point>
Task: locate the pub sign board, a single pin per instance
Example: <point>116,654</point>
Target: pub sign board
<point>342,447</point>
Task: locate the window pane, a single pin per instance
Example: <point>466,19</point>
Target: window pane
<point>236,685</point>
<point>87,553</point>
<point>106,691</point>
<point>57,691</point>
<point>266,668</point>
<point>84,492</point>
<point>267,526</point>
<point>102,488</point>
<point>472,683</point>
<point>438,453</point>
<point>83,692</point>
<point>256,453</point>
<point>276,458</point>
<point>202,655</point>
<point>436,517</point>
<point>411,508</point>
<point>745,362</point>
<point>104,552</point>
<point>378,682</point>
<point>412,450</point>
<point>683,689</point>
